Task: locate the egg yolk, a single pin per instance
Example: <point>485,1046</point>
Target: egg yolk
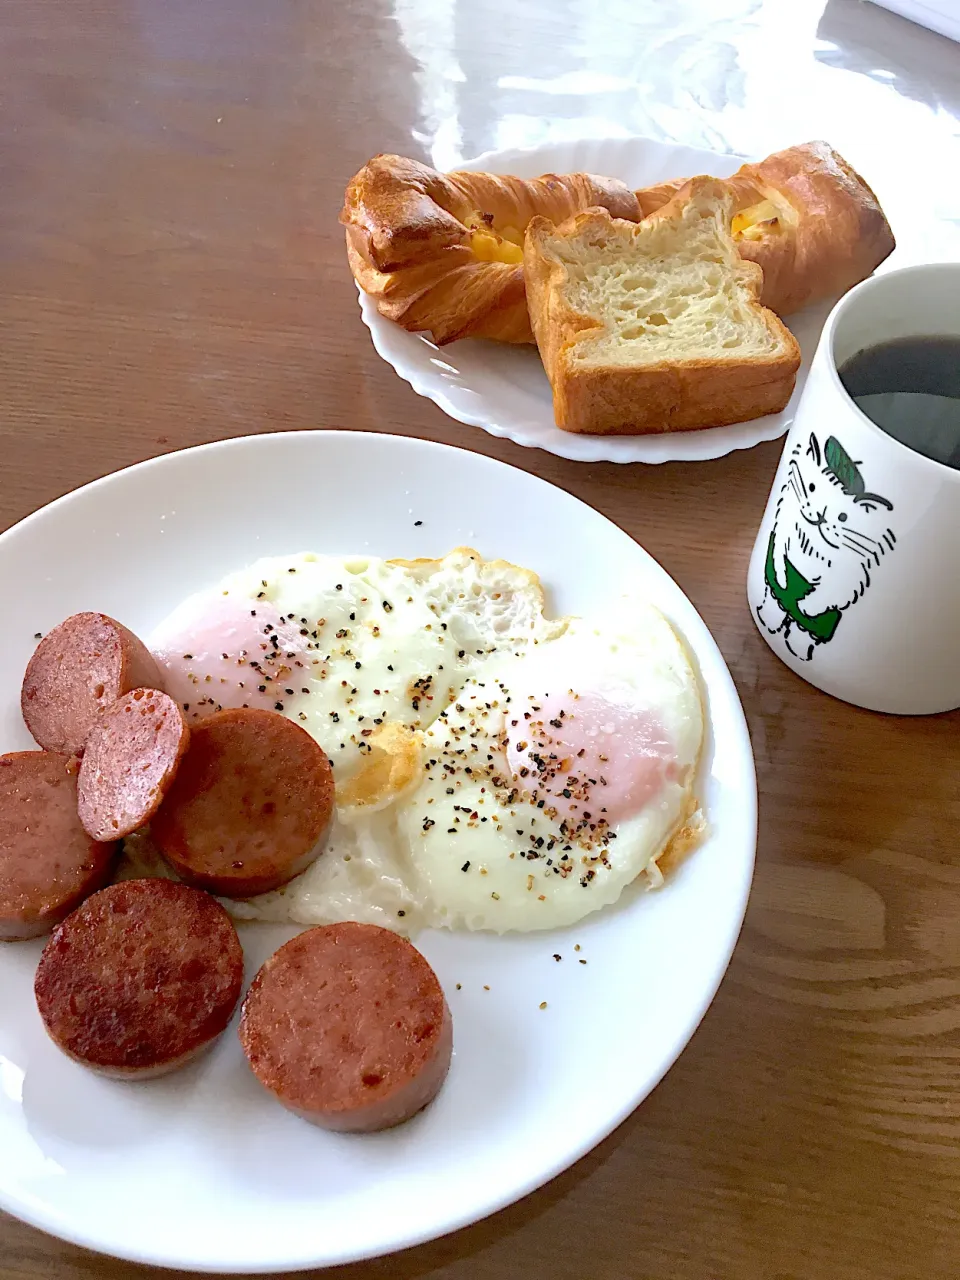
<point>592,760</point>
<point>233,653</point>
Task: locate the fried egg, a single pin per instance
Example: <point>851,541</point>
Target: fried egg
<point>556,777</point>
<point>494,769</point>
<point>346,647</point>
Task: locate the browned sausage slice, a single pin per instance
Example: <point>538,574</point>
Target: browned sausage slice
<point>78,669</point>
<point>48,863</point>
<point>131,758</point>
<point>252,797</point>
<point>141,978</point>
<point>348,1026</point>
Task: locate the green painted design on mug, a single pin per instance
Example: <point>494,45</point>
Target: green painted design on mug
<point>820,625</point>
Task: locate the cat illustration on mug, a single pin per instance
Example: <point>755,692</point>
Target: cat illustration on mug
<point>828,533</point>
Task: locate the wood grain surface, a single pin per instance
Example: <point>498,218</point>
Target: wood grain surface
<point>172,272</point>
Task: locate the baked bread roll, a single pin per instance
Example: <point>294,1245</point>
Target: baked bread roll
<point>807,218</point>
<point>444,251</point>
<point>655,326</point>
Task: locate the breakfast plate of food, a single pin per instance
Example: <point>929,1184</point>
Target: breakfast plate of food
<point>376,826</point>
<point>666,311</point>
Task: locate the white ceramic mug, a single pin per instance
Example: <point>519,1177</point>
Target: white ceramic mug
<point>854,580</point>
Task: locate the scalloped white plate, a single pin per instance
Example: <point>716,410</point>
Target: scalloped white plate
<point>503,388</point>
<point>202,1169</point>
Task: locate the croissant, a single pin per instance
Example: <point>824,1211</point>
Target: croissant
<point>807,218</point>
<point>444,252</point>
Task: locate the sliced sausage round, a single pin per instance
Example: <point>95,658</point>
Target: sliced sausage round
<point>130,760</point>
<point>347,1026</point>
<point>48,863</point>
<point>78,669</point>
<point>141,978</point>
<point>251,799</point>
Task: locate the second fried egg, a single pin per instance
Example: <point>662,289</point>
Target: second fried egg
<point>556,777</point>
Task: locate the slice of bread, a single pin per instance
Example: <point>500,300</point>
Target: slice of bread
<point>655,326</point>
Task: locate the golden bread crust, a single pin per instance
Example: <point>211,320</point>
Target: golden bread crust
<point>409,242</point>
<point>669,395</point>
<point>831,232</point>
<point>651,199</point>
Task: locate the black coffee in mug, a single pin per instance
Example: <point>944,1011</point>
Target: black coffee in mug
<point>910,387</point>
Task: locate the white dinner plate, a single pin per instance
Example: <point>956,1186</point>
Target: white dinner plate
<point>203,1170</point>
<point>503,388</point>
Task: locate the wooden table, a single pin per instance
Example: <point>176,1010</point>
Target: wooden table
<point>172,272</point>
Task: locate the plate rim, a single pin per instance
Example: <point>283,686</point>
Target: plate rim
<point>28,1211</point>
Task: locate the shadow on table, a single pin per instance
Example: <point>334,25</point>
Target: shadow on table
<point>871,41</point>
